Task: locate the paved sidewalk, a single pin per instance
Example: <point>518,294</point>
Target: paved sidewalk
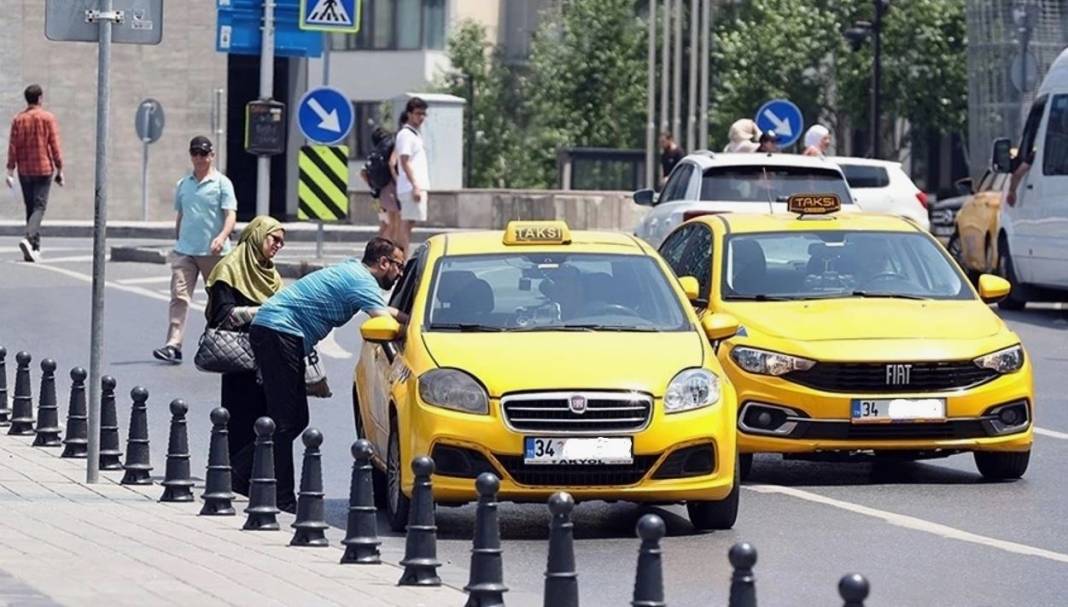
<point>66,542</point>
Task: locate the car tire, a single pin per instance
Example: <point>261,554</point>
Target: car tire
<point>397,504</point>
<point>745,466</point>
<point>717,515</point>
<point>1014,300</point>
<point>1002,466</point>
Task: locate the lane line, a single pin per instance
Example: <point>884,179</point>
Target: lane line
<point>48,260</point>
<point>1051,433</point>
<point>913,523</point>
<point>144,281</point>
<point>114,285</point>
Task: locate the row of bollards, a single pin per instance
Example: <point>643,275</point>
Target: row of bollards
<point>485,587</point>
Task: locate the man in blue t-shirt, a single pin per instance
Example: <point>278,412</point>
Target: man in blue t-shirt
<point>289,324</point>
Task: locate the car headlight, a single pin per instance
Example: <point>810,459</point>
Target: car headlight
<point>691,389</point>
<point>453,389</point>
<point>769,363</point>
<point>1003,361</point>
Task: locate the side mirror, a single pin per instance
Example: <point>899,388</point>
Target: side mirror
<point>645,198</point>
<point>380,329</point>
<point>965,186</point>
<point>1001,160</point>
<point>993,288</point>
<point>691,287</point>
<point>720,326</point>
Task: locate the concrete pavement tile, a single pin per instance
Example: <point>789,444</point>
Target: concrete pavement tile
<point>30,490</point>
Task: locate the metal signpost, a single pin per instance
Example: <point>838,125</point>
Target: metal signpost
<point>782,117</point>
<point>149,124</point>
<point>101,21</point>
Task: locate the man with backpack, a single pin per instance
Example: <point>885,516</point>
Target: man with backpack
<point>207,212</point>
<point>379,173</point>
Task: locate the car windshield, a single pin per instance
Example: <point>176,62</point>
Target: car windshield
<point>770,183</point>
<point>552,292</point>
<point>835,264</point>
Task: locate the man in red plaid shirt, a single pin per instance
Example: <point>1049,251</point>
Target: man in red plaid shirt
<point>33,149</point>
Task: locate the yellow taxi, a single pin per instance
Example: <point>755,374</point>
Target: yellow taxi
<point>858,336</point>
<point>556,360</point>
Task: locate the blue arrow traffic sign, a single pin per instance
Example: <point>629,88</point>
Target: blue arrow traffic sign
<point>782,117</point>
<point>325,115</point>
<point>330,15</point>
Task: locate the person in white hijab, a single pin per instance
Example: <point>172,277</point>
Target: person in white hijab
<point>817,141</point>
<point>743,136</point>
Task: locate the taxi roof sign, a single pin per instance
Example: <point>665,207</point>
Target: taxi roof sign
<point>814,204</point>
<point>537,232</point>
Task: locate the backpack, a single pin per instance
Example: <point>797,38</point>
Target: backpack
<point>377,164</point>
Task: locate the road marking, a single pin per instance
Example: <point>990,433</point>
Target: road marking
<point>329,347</point>
<point>48,260</point>
<point>916,524</point>
<point>144,281</point>
<point>1051,433</point>
<point>114,285</point>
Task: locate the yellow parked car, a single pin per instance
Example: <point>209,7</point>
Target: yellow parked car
<point>859,335</point>
<point>974,242</point>
<point>556,360</point>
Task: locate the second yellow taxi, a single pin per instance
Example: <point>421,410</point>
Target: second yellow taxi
<point>556,360</point>
<point>859,336</point>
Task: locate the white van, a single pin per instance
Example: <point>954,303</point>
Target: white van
<point>1032,245</point>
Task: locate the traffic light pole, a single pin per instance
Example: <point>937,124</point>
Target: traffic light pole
<point>263,163</point>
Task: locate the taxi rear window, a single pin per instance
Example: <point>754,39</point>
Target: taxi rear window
<point>764,184</point>
<point>552,291</point>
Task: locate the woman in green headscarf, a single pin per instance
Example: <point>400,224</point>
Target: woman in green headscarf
<point>238,285</point>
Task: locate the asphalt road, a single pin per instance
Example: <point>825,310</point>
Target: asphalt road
<point>924,534</point>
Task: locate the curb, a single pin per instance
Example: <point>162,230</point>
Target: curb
<point>158,255</point>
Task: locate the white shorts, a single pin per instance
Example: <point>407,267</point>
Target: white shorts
<point>410,208</point>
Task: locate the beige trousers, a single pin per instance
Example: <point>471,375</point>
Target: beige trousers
<point>184,272</point>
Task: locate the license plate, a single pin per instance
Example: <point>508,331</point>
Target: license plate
<point>553,451</point>
<point>888,410</point>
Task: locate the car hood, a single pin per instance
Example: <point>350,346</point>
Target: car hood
<point>510,362</point>
<point>865,319</point>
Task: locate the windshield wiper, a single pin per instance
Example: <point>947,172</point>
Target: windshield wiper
<point>760,297</point>
<point>860,293</point>
<point>465,327</point>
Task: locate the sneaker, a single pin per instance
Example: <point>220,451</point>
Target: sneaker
<point>168,354</point>
<point>29,253</point>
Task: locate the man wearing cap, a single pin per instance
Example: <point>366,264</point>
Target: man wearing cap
<point>207,212</point>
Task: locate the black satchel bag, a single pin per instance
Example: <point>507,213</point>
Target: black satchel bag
<point>222,351</point>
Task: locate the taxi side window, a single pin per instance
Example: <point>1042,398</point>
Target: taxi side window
<point>404,293</point>
<point>689,253</point>
<point>677,183</point>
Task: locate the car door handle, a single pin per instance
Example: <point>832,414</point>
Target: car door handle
<point>1030,186</point>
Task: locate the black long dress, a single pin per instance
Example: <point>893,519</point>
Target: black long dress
<point>242,396</point>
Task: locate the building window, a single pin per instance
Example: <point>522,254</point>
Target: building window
<point>369,116</point>
<point>397,25</point>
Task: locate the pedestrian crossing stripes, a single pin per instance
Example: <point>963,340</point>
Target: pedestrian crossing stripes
<point>330,15</point>
<point>323,188</point>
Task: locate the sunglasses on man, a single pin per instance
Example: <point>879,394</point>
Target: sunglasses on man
<point>199,152</point>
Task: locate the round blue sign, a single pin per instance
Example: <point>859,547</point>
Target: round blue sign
<point>325,115</point>
<point>782,117</point>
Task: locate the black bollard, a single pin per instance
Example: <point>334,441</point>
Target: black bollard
<point>109,426</point>
<point>420,546</point>
<point>263,486</point>
<point>76,442</point>
<point>48,429</point>
<point>649,580</point>
<point>853,589</point>
<point>485,587</point>
<point>178,485</point>
<point>311,520</point>
<point>561,579</point>
<point>218,490</point>
<point>22,404</point>
<point>743,584</point>
<point>5,412</point>
<point>137,456</point>
<point>361,533</point>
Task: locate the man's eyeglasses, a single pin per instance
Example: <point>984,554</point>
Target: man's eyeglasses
<point>397,262</point>
<point>198,152</point>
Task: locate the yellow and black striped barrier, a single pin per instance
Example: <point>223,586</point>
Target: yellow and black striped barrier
<point>323,191</point>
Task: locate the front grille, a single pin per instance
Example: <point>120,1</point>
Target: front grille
<point>552,412</point>
<point>576,475</point>
<point>859,378</point>
<point>949,430</point>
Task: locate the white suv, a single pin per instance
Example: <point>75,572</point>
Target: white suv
<point>882,186</point>
<point>704,183</point>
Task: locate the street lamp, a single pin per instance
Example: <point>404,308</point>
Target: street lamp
<point>856,36</point>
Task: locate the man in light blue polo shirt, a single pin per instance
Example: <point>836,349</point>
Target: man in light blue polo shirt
<point>289,324</point>
<point>207,212</point>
